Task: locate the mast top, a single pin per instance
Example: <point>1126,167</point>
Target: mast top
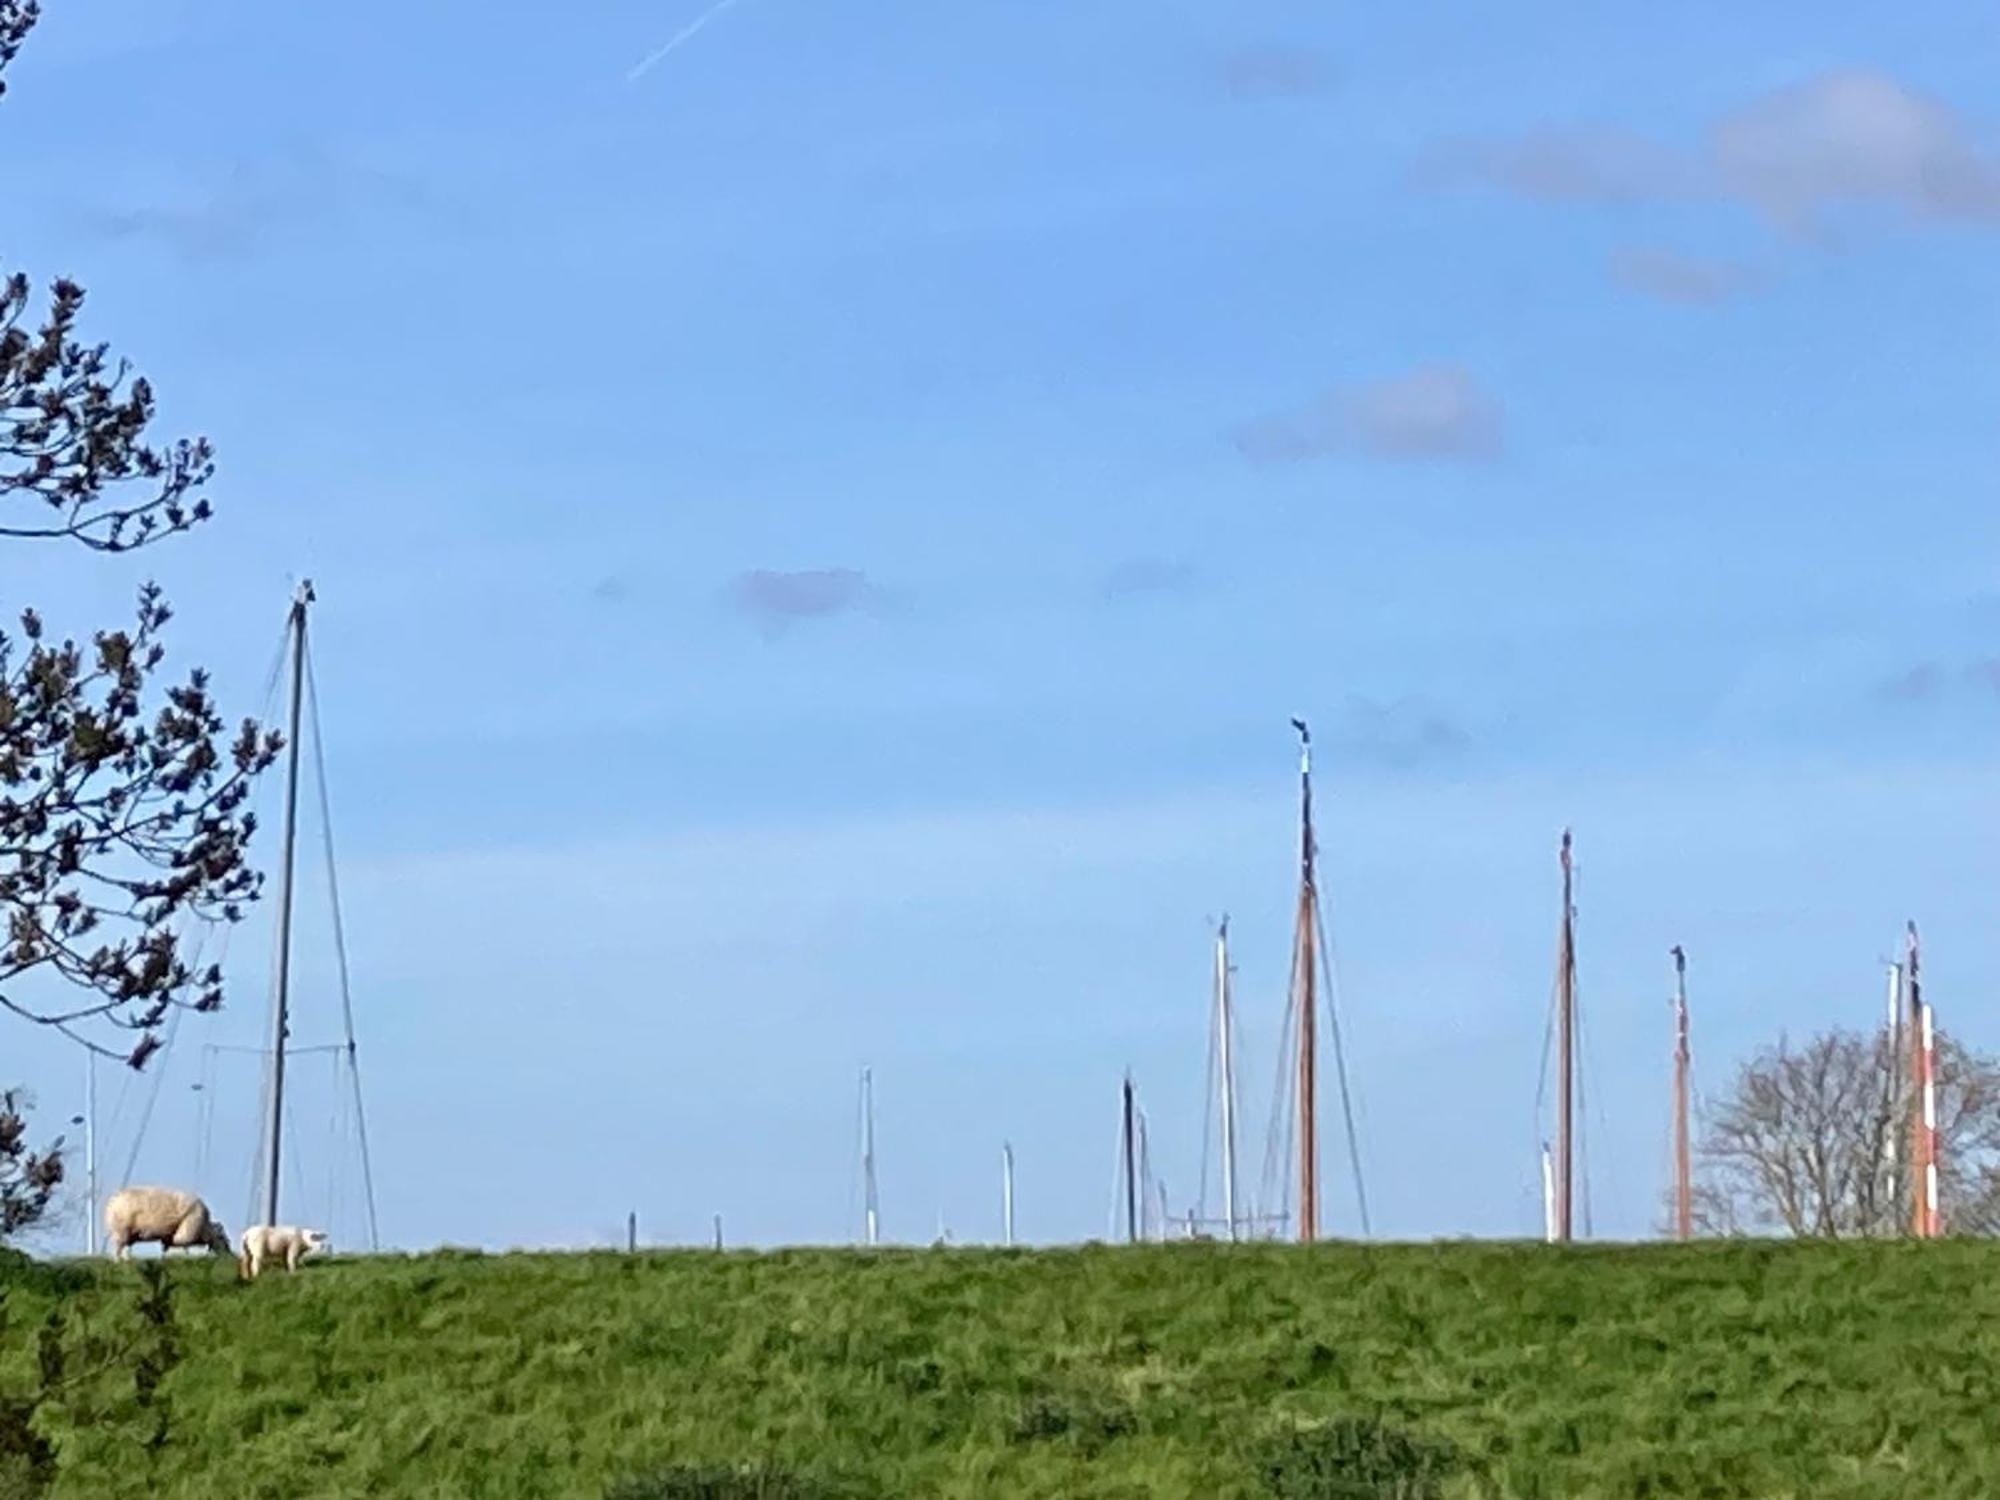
<point>303,596</point>
<point>1305,747</point>
<point>1680,959</point>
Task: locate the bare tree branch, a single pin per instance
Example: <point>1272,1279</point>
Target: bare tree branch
<point>1815,1141</point>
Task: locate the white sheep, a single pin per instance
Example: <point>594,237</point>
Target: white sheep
<point>165,1217</point>
<point>288,1242</point>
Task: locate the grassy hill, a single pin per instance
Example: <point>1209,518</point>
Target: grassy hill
<point>1725,1370</point>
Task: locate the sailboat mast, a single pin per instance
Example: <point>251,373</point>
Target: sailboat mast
<point>1131,1169</point>
<point>1927,1222</point>
<point>1913,991</point>
<point>1683,1175</point>
<point>871,1205</point>
<point>1225,1027</point>
<point>1007,1193</point>
<point>1565,1052</point>
<point>1306,975</point>
<point>281,989</point>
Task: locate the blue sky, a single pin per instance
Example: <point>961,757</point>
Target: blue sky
<point>818,545</point>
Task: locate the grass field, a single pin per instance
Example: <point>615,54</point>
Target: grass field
<point>1814,1372</point>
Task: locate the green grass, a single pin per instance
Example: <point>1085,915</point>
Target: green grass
<point>1811,1372</point>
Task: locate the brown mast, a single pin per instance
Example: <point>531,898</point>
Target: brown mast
<point>1565,1051</point>
<point>1683,1176</point>
<point>1305,971</point>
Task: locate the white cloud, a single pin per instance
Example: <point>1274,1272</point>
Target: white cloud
<point>1853,136</point>
<point>1848,136</point>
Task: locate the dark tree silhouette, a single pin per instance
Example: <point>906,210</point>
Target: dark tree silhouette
<point>17,19</point>
<point>124,817</point>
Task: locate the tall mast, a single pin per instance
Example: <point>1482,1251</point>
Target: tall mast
<point>1007,1193</point>
<point>1305,973</point>
<point>281,990</point>
<point>1926,1220</point>
<point>1913,991</point>
<point>1131,1171</point>
<point>1933,1210</point>
<point>1225,1025</point>
<point>1683,1176</point>
<point>1565,1052</point>
<point>871,1205</point>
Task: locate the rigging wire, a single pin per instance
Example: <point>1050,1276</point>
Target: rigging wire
<point>1208,1093</point>
<point>1280,1135</point>
<point>1340,1063</point>
<point>340,949</point>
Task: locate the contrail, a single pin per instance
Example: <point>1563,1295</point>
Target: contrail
<point>659,54</point>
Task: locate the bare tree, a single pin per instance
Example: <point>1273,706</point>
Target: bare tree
<point>1815,1140</point>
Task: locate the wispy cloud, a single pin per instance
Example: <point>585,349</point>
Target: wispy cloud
<point>255,199</point>
<point>1146,577</point>
<point>1568,164</point>
<point>1672,277</point>
<point>610,589</point>
<point>777,600</point>
<point>1932,682</point>
<point>1278,71</point>
<point>1918,684</point>
<point>1843,137</point>
<point>1401,734</point>
<point>1433,412</point>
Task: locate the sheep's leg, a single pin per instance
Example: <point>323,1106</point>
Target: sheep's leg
<point>292,1257</point>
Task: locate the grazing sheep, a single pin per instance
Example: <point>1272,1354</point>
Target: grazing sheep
<point>263,1242</point>
<point>165,1217</point>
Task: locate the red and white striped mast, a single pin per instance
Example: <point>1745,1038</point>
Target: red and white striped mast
<point>1926,1221</point>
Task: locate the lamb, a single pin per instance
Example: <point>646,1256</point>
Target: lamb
<point>273,1241</point>
<point>166,1217</point>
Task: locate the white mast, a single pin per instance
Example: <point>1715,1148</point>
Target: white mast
<point>871,1207</point>
<point>1225,1026</point>
<point>1548,1195</point>
<point>1007,1193</point>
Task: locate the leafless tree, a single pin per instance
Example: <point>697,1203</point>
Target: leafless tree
<point>1815,1139</point>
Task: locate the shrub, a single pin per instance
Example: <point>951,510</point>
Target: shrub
<point>750,1483</point>
<point>1089,1423</point>
<point>1356,1458</point>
